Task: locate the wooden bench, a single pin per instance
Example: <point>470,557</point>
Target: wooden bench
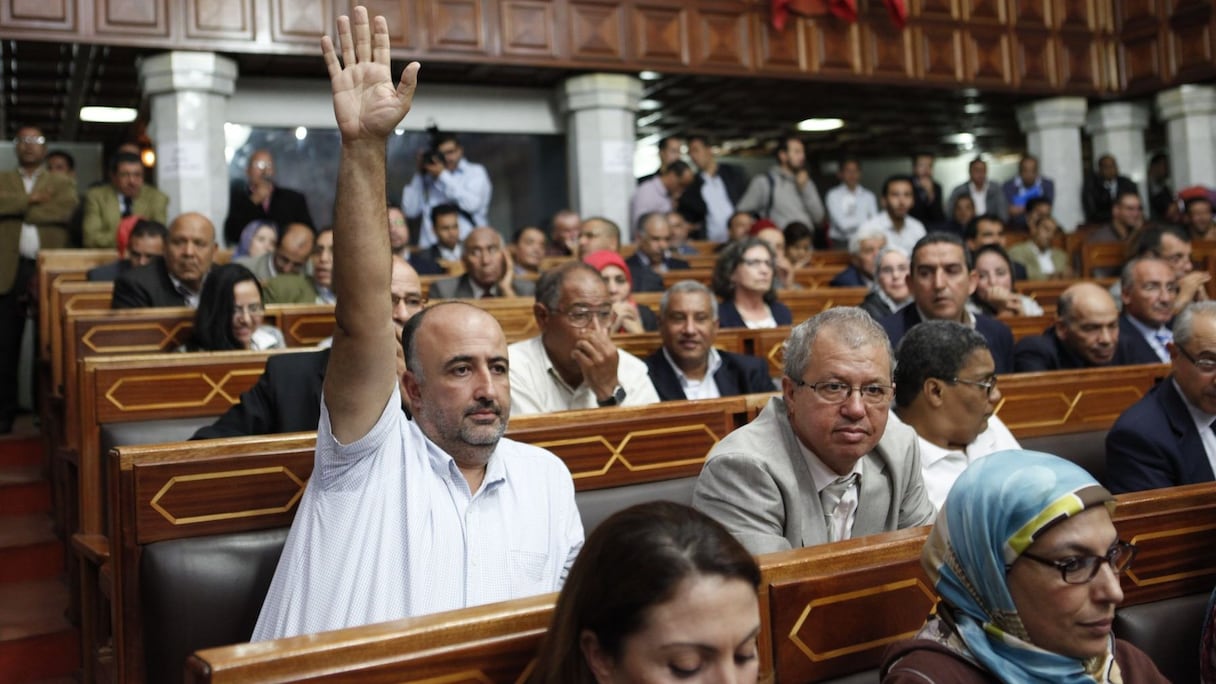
<point>826,612</point>
<point>163,492</point>
<point>56,265</point>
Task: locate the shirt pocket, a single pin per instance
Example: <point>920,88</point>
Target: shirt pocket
<point>529,573</point>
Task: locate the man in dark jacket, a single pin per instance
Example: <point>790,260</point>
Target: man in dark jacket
<point>176,280</point>
<point>687,366</point>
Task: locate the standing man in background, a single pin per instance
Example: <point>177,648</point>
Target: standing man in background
<point>35,208</point>
<point>446,177</point>
<point>258,198</point>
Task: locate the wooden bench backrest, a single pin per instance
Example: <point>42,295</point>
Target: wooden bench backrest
<point>70,297</point>
<point>55,265</point>
<point>1063,402</point>
<point>1101,255</point>
<point>826,611</point>
<point>1047,292</point>
<point>806,303</point>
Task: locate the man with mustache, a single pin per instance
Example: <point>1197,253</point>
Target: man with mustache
<point>945,390</point>
<point>687,366</point>
<point>1165,439</point>
<point>402,517</point>
<point>820,463</point>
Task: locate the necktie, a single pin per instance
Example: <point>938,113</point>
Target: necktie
<point>836,511</point>
<point>126,205</point>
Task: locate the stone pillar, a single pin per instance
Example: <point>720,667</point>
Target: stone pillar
<point>599,110</point>
<point>189,92</point>
<point>1117,129</point>
<point>1053,135</point>
<point>1189,113</point>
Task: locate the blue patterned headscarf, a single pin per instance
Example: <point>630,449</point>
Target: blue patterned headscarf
<point>994,512</point>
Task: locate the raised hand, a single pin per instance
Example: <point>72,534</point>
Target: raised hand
<point>366,105</point>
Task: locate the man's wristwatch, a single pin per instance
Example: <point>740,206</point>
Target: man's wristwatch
<point>615,399</point>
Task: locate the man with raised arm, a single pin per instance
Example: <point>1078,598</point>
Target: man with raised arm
<point>404,517</point>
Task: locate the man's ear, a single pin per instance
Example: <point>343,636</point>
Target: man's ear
<point>973,280</point>
<point>410,387</point>
<point>541,313</point>
<point>932,392</point>
<point>600,663</point>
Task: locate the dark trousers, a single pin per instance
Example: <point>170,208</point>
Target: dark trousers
<point>13,305</point>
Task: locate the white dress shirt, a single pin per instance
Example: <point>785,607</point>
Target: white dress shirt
<point>1203,423</point>
<point>904,238</point>
<point>848,209</point>
<point>706,387</point>
<point>468,187</point>
<point>388,529</point>
<point>849,501</point>
<point>941,467</point>
<point>536,386</point>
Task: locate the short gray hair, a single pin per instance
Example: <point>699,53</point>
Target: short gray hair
<point>1128,278</point>
<point>871,233</point>
<point>882,253</point>
<point>1184,323</point>
<point>687,287</point>
<point>855,326</point>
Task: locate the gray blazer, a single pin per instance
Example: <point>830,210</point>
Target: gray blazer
<point>994,197</point>
<point>756,483</point>
<point>461,287</point>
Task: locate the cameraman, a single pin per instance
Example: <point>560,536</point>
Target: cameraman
<point>445,176</point>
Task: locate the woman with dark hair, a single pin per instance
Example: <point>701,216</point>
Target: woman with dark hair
<point>627,315</point>
<point>659,592</point>
<point>743,278</point>
<point>1026,561</point>
<point>994,295</point>
<point>230,313</point>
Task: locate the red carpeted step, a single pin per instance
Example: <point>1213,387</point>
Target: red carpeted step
<point>36,641</point>
<point>18,451</point>
<point>29,548</point>
<point>23,490</point>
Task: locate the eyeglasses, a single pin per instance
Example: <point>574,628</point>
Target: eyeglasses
<point>1201,365</point>
<point>834,392</point>
<point>248,310</point>
<point>988,384</point>
<point>581,318</point>
<point>1154,288</point>
<point>30,139</point>
<point>1082,569</point>
<point>757,262</point>
<point>412,303</point>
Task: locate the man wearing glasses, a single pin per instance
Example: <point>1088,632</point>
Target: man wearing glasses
<point>1166,438</point>
<point>945,390</point>
<point>1148,290</point>
<point>573,363</point>
<point>820,463</point>
<point>35,208</point>
<point>259,197</point>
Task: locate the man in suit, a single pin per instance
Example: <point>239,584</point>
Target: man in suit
<point>687,366</point>
<point>290,255</point>
<point>146,242</point>
<point>445,221</point>
<point>1100,190</point>
<point>598,233</point>
<point>287,398</point>
<point>1085,334</point>
<point>820,463</point>
<point>941,279</point>
<point>714,192</point>
<point>864,246</point>
<point>307,286</point>
<point>945,390</point>
<point>1148,289</point>
<point>487,271</point>
<point>1025,186</point>
<point>177,279</point>
<point>927,201</point>
<point>986,195</point>
<point>258,198</point>
<point>126,195</point>
<point>651,259</point>
<point>399,242</point>
<point>36,207</point>
<point>1160,440</point>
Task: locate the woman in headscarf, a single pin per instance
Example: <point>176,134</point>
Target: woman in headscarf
<point>1026,561</point>
<point>627,315</point>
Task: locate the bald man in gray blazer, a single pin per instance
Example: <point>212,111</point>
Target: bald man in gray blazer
<point>765,481</point>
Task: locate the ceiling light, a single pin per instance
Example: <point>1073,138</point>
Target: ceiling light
<point>649,75</point>
<point>301,133</point>
<point>649,105</point>
<point>960,138</point>
<point>108,114</point>
<point>148,157</point>
<point>820,125</point>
